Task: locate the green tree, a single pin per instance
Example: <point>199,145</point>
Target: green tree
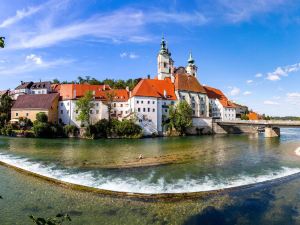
<point>41,117</point>
<point>56,81</point>
<point>110,95</point>
<point>2,43</point>
<point>180,117</point>
<point>5,109</point>
<point>84,105</point>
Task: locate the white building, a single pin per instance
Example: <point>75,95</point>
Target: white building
<point>31,88</point>
<point>219,106</point>
<point>151,98</point>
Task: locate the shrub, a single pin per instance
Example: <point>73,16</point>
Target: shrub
<point>125,128</point>
<point>102,128</point>
<point>8,130</point>
<point>41,117</point>
<point>91,131</point>
<point>42,130</point>
<point>70,130</point>
<point>28,134</point>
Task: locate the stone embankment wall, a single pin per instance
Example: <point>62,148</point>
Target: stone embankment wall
<point>233,129</point>
<point>201,126</point>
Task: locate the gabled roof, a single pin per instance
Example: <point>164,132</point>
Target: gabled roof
<point>155,88</point>
<point>42,101</point>
<point>214,93</point>
<point>41,85</point>
<point>119,95</point>
<point>24,85</point>
<point>67,91</point>
<point>186,82</point>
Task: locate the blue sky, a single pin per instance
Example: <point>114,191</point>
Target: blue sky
<point>250,49</point>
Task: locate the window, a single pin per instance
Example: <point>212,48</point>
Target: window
<point>76,111</point>
<point>148,102</point>
<point>61,112</point>
<point>153,102</point>
<point>137,102</point>
<point>61,104</point>
<point>194,112</point>
<point>193,105</point>
<point>91,111</point>
<point>144,109</point>
<point>121,105</point>
<point>150,120</point>
<point>67,111</point>
<point>115,104</point>
<point>153,110</point>
<point>142,102</point>
<point>139,109</point>
<point>97,104</point>
<point>193,98</point>
<point>17,114</point>
<point>27,114</point>
<point>68,103</point>
<point>165,103</point>
<point>148,109</point>
<point>140,121</point>
<point>172,102</point>
<point>97,111</point>
<point>183,97</point>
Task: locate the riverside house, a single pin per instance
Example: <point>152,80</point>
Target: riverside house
<point>27,106</point>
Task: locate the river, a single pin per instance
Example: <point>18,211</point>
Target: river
<point>169,165</point>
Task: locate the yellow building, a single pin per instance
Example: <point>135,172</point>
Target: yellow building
<point>27,106</point>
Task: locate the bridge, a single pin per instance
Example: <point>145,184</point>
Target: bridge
<point>271,127</point>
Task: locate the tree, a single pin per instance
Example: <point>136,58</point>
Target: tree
<point>56,81</point>
<point>41,117</point>
<point>110,95</point>
<point>2,43</point>
<point>180,117</point>
<point>84,105</point>
<point>5,109</point>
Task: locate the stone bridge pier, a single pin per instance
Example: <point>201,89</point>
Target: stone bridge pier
<point>272,132</point>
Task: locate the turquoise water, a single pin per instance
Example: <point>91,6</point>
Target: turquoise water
<point>200,164</point>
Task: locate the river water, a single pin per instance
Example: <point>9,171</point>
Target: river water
<point>185,164</point>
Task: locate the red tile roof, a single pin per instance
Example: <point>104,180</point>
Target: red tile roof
<point>41,101</point>
<point>155,88</point>
<point>67,91</point>
<point>217,94</point>
<point>186,82</point>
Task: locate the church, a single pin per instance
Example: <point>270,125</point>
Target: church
<point>151,98</point>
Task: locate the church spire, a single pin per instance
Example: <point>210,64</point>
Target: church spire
<point>191,60</point>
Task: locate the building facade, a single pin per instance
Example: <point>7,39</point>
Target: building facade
<point>28,106</point>
<point>219,106</point>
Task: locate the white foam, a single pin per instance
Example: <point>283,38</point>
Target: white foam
<point>134,185</point>
<point>297,151</point>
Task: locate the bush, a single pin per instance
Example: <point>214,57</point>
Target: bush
<point>28,134</point>
<point>70,130</point>
<point>47,130</point>
<point>102,128</point>
<point>41,117</point>
<point>91,131</point>
<point>25,123</point>
<point>125,128</point>
<point>8,130</point>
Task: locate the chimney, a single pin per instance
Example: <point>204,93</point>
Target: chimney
<point>127,88</point>
<point>148,76</point>
<point>165,93</point>
<point>130,93</point>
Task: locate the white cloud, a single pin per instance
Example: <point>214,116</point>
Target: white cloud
<point>239,11</point>
<point>30,66</point>
<point>123,54</point>
<point>20,14</point>
<point>258,75</point>
<point>35,59</point>
<point>234,91</point>
<point>283,71</point>
<point>123,25</point>
<point>130,55</point>
<point>247,93</point>
<point>293,95</point>
<point>268,102</point>
<point>249,81</point>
